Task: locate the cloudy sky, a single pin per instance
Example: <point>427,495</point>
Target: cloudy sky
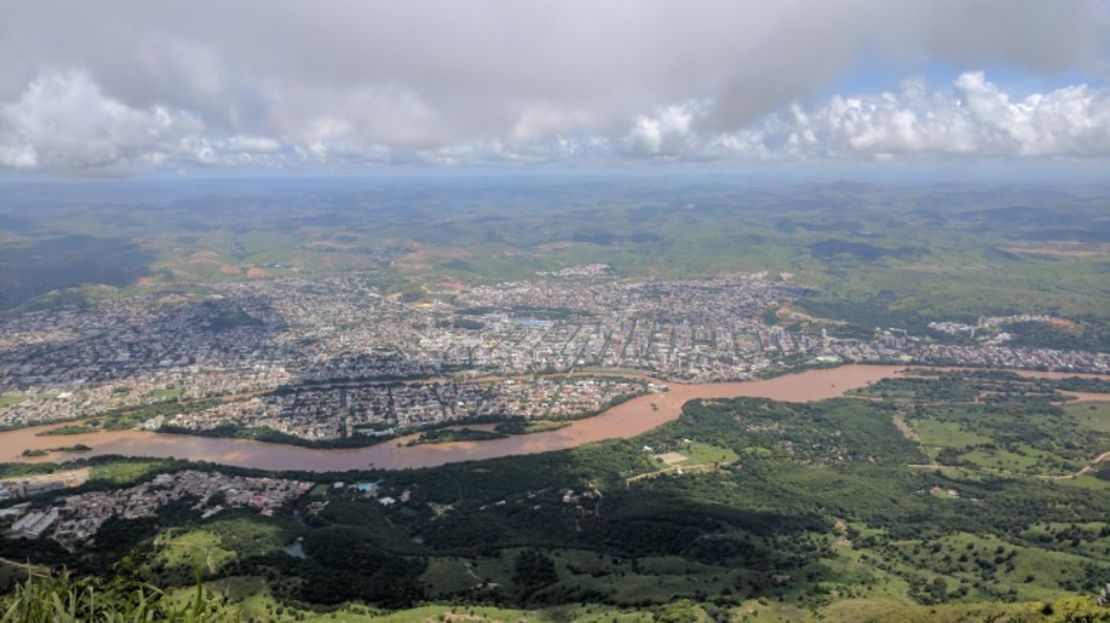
<point>128,88</point>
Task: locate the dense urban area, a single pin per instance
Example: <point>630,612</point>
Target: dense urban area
<point>335,358</point>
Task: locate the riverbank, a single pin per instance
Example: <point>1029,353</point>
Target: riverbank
<point>111,420</point>
<point>628,419</point>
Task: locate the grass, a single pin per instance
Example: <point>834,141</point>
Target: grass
<point>1093,416</point>
<point>252,598</point>
<point>543,426</point>
<point>650,580</point>
<point>481,614</point>
<point>850,574</point>
<point>67,429</point>
<point>936,434</point>
<point>1034,573</point>
<point>1000,460</point>
<point>449,435</point>
<point>896,611</point>
<point>451,575</point>
<point>698,453</point>
<point>1020,439</point>
<point>179,553</point>
<point>164,394</point>
<point>1086,481</point>
<point>829,501</point>
<point>110,471</point>
<point>125,472</point>
<point>523,428</point>
<point>190,551</point>
<point>64,598</point>
<point>251,536</point>
<point>10,400</point>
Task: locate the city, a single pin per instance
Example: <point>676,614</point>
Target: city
<point>334,358</point>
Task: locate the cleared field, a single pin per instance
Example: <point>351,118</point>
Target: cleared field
<point>186,553</point>
<point>945,434</point>
<point>10,400</point>
<point>1091,415</point>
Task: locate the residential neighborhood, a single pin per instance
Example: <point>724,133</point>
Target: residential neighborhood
<point>75,519</point>
<point>332,358</point>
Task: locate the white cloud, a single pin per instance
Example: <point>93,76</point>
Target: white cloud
<point>249,143</point>
<point>543,120</point>
<point>974,118</point>
<point>667,132</point>
<point>63,121</point>
<point>566,78</point>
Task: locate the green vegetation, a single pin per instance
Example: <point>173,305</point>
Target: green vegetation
<point>999,422</point>
<point>181,553</point>
<point>68,429</point>
<point>79,447</point>
<point>20,470</point>
<point>1075,336</point>
<point>925,385</point>
<point>705,454</point>
<point>126,471</point>
<point>64,598</point>
<point>232,319</point>
<point>267,434</point>
<point>178,554</point>
<point>10,400</point>
<point>123,418</point>
<point>524,427</point>
<point>161,395</point>
<point>444,435</point>
<point>1094,416</point>
<point>68,599</point>
<point>35,452</point>
<point>104,471</point>
<point>876,256</point>
<point>931,504</point>
<point>502,428</point>
<point>935,497</point>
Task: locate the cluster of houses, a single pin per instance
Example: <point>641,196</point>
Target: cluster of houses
<point>75,519</point>
<point>256,337</point>
<point>333,411</point>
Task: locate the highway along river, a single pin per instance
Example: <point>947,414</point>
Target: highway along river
<point>625,420</point>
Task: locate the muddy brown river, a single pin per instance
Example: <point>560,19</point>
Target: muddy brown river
<point>625,420</point>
